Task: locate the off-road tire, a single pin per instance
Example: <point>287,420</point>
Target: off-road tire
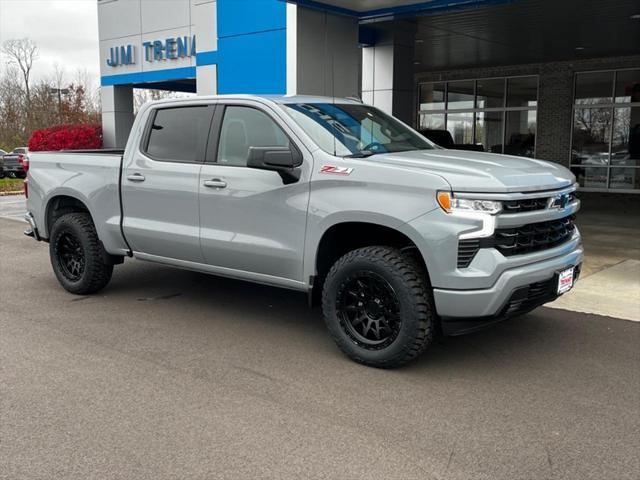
<point>96,273</point>
<point>409,282</point>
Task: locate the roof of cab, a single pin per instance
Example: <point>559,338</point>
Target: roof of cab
<point>281,99</point>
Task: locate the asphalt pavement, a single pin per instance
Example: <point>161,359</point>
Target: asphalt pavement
<point>175,374</point>
<point>13,206</point>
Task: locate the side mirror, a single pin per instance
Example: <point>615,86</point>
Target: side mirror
<point>284,160</point>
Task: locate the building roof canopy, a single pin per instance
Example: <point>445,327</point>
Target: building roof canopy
<point>452,34</point>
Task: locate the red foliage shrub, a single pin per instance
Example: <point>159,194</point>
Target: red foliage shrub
<point>66,137</point>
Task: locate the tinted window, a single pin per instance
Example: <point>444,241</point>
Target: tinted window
<point>628,86</point>
<point>432,96</point>
<point>490,93</point>
<point>520,133</point>
<point>522,92</point>
<point>594,87</point>
<point>460,94</point>
<point>243,128</point>
<point>180,134</point>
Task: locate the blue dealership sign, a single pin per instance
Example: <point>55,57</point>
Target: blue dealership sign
<point>170,49</point>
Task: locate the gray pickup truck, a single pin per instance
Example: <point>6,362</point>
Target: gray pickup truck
<point>397,238</point>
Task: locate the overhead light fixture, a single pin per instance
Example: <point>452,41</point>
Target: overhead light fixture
<point>419,40</point>
<point>416,63</point>
<point>635,16</point>
<point>579,48</point>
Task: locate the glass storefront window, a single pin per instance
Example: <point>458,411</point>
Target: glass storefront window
<point>490,93</point>
<point>432,96</point>
<point>624,178</point>
<point>520,133</point>
<point>460,125</point>
<point>477,111</point>
<point>489,131</point>
<point>522,92</point>
<point>625,145</point>
<point>628,86</point>
<point>593,88</point>
<point>591,177</point>
<point>434,121</point>
<point>591,134</point>
<point>460,94</point>
<point>606,129</point>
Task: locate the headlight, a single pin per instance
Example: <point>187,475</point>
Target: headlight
<point>450,204</point>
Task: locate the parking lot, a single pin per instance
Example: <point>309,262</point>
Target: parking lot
<point>175,374</point>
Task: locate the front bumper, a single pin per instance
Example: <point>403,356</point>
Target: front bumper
<point>465,310</point>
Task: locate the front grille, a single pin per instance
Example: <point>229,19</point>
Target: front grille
<point>530,238</point>
<point>533,237</point>
<point>531,204</point>
<point>527,205</point>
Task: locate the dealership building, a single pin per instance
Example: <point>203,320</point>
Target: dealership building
<point>558,80</point>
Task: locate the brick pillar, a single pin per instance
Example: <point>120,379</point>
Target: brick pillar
<point>555,122</point>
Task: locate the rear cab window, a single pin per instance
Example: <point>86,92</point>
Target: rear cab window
<point>178,134</point>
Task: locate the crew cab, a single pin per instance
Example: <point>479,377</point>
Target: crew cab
<point>396,238</point>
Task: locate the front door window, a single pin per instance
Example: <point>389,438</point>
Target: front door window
<point>243,128</point>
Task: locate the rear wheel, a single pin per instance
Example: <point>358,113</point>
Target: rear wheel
<point>77,256</point>
<point>378,307</point>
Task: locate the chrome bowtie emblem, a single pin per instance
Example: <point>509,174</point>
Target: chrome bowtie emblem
<point>558,201</point>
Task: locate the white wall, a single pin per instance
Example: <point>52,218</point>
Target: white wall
<point>124,22</point>
<point>387,73</point>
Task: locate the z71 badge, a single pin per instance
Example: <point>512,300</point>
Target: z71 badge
<point>336,170</point>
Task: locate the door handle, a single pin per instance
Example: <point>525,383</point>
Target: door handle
<point>135,177</point>
<point>215,183</point>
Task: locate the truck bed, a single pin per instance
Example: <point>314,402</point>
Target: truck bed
<point>92,176</point>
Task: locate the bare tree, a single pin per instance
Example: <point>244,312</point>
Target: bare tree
<point>144,95</point>
<point>12,128</point>
<point>22,52</point>
<point>77,103</point>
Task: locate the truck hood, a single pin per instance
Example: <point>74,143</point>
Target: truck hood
<point>468,171</point>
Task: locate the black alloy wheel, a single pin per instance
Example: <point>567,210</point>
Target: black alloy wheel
<point>78,258</point>
<point>70,255</point>
<point>368,309</point>
<point>378,306</point>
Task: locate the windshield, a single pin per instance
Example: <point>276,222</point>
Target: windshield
<point>349,130</point>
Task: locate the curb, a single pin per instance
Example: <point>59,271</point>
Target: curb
<point>14,192</point>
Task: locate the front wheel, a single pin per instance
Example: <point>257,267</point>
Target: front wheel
<point>77,256</point>
<point>378,307</point>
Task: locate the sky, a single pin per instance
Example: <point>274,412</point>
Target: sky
<point>65,31</point>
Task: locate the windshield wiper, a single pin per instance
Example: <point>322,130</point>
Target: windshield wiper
<point>362,154</point>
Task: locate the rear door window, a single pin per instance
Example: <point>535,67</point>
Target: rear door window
<point>179,134</point>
